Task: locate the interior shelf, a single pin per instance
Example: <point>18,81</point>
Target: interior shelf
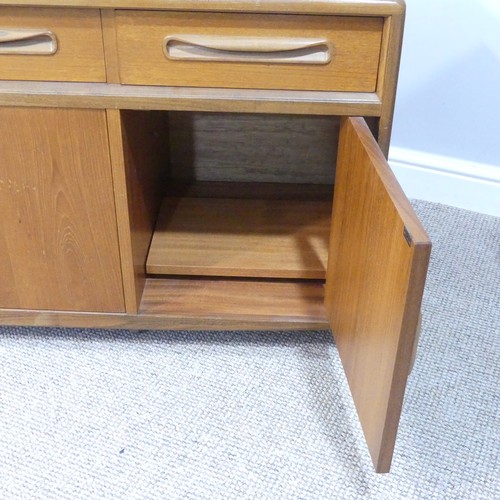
<point>260,238</point>
<point>230,303</point>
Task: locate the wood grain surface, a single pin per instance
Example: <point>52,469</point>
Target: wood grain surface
<point>376,272</point>
<point>79,57</point>
<point>236,299</point>
<point>354,65</point>
<point>58,235</point>
<point>341,7</point>
<point>388,75</point>
<point>170,304</point>
<point>139,153</point>
<point>114,96</point>
<point>241,237</point>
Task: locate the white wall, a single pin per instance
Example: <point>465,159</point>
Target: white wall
<point>446,134</point>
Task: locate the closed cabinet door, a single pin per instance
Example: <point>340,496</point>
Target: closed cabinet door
<point>58,234</point>
<point>377,265</point>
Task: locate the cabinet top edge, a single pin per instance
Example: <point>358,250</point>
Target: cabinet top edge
<point>339,7</point>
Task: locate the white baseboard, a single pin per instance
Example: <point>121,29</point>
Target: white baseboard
<point>459,183</point>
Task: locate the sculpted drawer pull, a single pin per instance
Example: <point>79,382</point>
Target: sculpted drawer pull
<point>27,42</point>
<point>247,49</point>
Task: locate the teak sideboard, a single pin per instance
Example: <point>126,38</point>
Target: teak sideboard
<point>172,164</point>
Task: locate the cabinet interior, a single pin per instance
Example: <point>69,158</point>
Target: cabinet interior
<point>231,196</point>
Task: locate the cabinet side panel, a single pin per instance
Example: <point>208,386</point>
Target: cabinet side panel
<point>58,235</point>
<point>139,152</point>
<point>388,75</point>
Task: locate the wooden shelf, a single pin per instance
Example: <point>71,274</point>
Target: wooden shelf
<point>241,237</point>
<point>233,303</point>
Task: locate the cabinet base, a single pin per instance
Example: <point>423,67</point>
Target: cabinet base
<point>187,304</point>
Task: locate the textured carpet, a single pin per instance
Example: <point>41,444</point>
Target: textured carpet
<point>103,414</point>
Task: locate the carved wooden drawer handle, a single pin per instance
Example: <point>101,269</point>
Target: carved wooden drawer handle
<point>247,49</point>
<point>27,42</point>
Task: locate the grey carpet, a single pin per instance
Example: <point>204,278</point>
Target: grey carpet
<point>103,414</point>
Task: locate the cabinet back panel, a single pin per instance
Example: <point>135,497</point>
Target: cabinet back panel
<point>253,147</point>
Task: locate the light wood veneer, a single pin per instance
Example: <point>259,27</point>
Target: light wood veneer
<point>246,238</point>
<point>354,45</point>
<point>58,236</point>
<point>79,56</point>
<point>340,7</point>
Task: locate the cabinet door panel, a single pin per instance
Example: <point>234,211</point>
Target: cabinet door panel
<point>377,265</point>
<point>58,236</point>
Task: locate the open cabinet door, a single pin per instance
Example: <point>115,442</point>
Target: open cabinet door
<point>378,258</point>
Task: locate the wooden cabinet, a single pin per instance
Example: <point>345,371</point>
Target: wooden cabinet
<point>194,189</point>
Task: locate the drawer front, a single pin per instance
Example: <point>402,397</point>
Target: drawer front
<point>51,44</point>
<point>290,52</point>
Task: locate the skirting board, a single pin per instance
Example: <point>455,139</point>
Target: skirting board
<point>459,183</point>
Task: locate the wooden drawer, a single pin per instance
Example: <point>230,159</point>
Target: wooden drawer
<point>249,50</point>
<point>51,44</point>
